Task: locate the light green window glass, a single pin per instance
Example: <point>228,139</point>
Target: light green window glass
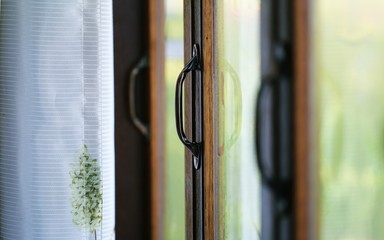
<point>174,221</point>
<point>348,85</point>
<point>237,73</point>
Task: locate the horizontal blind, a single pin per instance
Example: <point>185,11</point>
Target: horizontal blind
<point>56,104</point>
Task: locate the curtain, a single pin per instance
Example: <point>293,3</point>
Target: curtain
<point>56,120</point>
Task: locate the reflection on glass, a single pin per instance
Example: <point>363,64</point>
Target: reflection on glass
<point>348,47</point>
<point>238,78</point>
<point>174,165</point>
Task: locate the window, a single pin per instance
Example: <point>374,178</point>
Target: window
<point>347,123</point>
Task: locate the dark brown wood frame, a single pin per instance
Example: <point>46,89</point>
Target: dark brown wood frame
<point>157,115</point>
<point>301,66</point>
<point>301,72</point>
<point>210,164</point>
<point>131,147</point>
<point>200,187</point>
<point>193,103</point>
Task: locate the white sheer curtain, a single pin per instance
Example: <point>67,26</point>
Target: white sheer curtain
<point>56,110</point>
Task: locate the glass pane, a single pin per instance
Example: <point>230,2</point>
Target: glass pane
<point>174,165</point>
<point>348,48</point>
<point>238,78</point>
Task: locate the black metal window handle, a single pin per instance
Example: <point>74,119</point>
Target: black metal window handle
<point>194,147</point>
<point>140,125</point>
<point>265,149</point>
<point>265,93</point>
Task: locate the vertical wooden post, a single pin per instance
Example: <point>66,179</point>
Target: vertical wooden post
<point>209,94</point>
<point>301,95</point>
<point>157,115</point>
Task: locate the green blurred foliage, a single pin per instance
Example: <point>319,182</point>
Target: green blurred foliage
<point>348,48</point>
<point>174,165</point>
<point>174,28</point>
<point>175,193</point>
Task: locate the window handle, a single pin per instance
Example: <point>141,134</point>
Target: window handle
<point>194,147</point>
<point>137,122</point>
<point>266,134</point>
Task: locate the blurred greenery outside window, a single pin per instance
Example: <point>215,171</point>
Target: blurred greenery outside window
<point>174,165</point>
<point>348,118</point>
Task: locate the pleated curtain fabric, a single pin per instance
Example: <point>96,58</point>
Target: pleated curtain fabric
<point>56,120</point>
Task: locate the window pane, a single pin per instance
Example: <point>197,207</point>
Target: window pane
<point>174,164</point>
<point>348,48</point>
<point>237,74</point>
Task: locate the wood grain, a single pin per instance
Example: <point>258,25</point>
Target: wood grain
<point>157,115</point>
<point>301,68</point>
<point>209,93</point>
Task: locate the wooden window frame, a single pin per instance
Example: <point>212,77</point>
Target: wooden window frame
<point>302,221</point>
<point>157,115</point>
<point>194,179</point>
<point>131,147</point>
<point>139,31</point>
